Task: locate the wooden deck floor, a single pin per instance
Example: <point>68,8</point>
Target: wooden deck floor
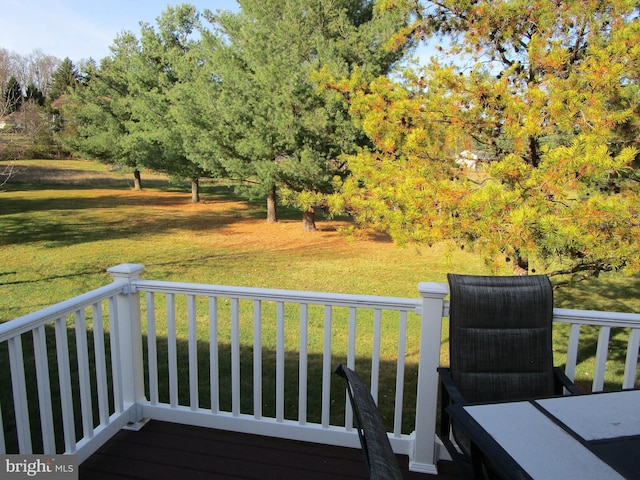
<point>164,450</point>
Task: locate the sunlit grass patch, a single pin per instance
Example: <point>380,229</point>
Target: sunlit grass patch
<point>57,240</point>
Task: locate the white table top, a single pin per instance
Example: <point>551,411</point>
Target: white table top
<point>598,416</point>
<point>542,447</point>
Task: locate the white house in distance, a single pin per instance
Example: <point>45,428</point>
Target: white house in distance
<point>472,159</point>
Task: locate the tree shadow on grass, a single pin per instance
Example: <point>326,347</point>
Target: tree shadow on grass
<point>68,225</point>
<point>314,385</point>
<point>29,176</point>
<point>76,219</point>
<point>338,399</point>
<point>607,292</point>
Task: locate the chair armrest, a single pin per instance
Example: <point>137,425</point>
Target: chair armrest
<point>446,380</point>
<point>378,453</point>
<point>562,381</point>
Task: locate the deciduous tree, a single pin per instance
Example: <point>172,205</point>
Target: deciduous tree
<point>39,70</point>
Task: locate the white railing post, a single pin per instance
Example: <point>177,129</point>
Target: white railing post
<point>423,457</point>
<point>129,336</point>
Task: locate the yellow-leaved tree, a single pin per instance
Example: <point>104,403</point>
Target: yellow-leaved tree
<point>520,139</point>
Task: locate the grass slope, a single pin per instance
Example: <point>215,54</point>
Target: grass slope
<point>63,223</point>
<point>70,220</point>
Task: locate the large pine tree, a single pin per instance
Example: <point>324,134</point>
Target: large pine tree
<point>274,127</point>
<point>99,113</point>
<point>548,94</point>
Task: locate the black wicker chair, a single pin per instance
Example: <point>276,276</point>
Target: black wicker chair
<point>500,349</point>
<point>376,448</point>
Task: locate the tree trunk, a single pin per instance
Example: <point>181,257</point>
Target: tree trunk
<point>195,190</point>
<point>521,266</point>
<point>137,180</point>
<point>272,213</point>
<point>309,220</point>
<point>534,151</point>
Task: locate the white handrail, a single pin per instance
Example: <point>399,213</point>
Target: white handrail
<point>594,317</point>
<point>31,321</point>
<point>287,296</point>
<point>275,422</point>
<point>605,321</point>
<point>123,385</point>
<point>56,329</point>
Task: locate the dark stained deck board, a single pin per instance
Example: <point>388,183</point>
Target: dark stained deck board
<point>168,451</point>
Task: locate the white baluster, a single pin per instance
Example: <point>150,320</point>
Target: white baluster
<point>64,374</point>
<point>19,386</point>
<point>257,359</point>
<point>172,350</point>
<point>402,342</point>
<point>152,348</point>
<point>601,359</point>
<point>303,366</point>
<point>235,357</point>
<point>84,383</point>
<point>44,390</point>
<point>101,364</point>
<point>631,363</point>
<point>326,368</point>
<point>280,358</point>
<point>214,370</point>
<point>375,354</point>
<point>194,401</point>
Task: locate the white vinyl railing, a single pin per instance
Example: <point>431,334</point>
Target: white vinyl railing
<point>313,333</point>
<point>242,359</point>
<point>605,322</point>
<point>64,377</point>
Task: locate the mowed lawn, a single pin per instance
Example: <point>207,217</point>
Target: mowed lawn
<point>58,236</point>
<point>63,223</point>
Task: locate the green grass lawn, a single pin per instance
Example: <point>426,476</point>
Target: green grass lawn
<point>58,239</point>
<point>63,223</point>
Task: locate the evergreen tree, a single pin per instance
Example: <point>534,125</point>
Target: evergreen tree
<point>65,77</point>
<point>124,111</point>
<point>34,94</point>
<point>272,125</point>
<point>161,67</point>
<point>548,91</point>
<point>100,115</point>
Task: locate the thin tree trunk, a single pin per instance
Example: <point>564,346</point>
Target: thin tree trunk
<point>534,151</point>
<point>309,220</point>
<point>5,174</point>
<point>521,266</point>
<point>195,190</point>
<point>137,180</point>
<point>272,213</point>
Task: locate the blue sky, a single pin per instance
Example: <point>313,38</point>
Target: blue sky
<point>80,29</point>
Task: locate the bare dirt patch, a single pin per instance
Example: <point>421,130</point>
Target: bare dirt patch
<point>229,223</point>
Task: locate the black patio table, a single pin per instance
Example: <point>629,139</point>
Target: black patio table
<point>594,436</point>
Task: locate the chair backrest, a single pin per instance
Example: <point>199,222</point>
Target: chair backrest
<point>500,336</point>
<point>378,454</point>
